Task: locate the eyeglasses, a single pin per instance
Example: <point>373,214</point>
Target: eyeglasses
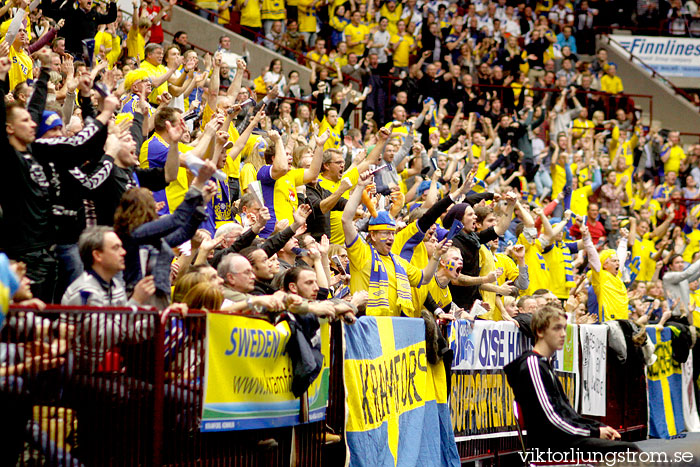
<point>384,233</point>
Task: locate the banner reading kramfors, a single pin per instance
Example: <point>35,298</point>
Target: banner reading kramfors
<point>397,412</point>
<point>248,376</point>
<point>664,383</point>
<point>670,56</point>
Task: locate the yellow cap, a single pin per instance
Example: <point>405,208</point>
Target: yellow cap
<point>134,76</point>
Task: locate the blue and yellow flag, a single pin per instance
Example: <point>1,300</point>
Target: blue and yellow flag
<point>8,286</point>
<point>665,386</point>
<point>397,402</point>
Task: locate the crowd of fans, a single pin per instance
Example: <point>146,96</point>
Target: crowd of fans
<point>139,173</point>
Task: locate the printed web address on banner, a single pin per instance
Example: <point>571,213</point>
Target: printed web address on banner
<point>608,458</point>
<point>262,384</point>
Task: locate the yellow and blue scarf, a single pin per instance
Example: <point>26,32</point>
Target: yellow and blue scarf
<point>379,288</point>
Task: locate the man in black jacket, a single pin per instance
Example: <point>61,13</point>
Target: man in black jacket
<point>550,420</point>
<point>26,231</point>
<point>81,21</point>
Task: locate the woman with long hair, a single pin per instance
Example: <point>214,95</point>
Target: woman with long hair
<point>204,296</point>
<point>148,240</point>
<point>274,76</point>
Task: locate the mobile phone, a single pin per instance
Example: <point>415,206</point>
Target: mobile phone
<point>338,264</point>
<point>457,227</point>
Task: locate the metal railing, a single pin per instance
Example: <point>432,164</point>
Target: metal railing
<point>121,387</point>
<point>654,74</point>
<point>89,386</point>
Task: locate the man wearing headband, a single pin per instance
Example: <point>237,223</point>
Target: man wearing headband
<point>373,267</point>
<point>606,277</point>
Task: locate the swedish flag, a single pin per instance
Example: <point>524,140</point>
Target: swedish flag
<point>665,388</point>
<point>397,402</point>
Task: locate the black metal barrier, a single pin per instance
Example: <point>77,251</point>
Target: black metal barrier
<point>88,386</point>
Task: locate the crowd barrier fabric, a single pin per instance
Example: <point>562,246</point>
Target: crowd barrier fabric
<point>397,413</point>
<point>481,402</point>
<point>664,387</point>
<point>594,345</point>
<point>248,376</point>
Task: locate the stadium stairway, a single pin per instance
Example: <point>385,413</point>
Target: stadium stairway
<point>670,108</point>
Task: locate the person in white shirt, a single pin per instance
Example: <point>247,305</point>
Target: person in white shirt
<point>380,41</point>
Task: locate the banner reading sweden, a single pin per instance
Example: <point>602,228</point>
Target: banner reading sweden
<point>397,413</point>
<point>248,376</point>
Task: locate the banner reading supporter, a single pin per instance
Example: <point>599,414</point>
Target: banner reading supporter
<point>397,412</point>
<point>664,383</point>
<point>594,343</point>
<point>248,376</point>
<point>481,401</point>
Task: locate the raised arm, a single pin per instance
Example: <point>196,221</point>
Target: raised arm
<point>280,165</point>
<point>311,174</point>
<point>504,221</point>
<point>351,206</point>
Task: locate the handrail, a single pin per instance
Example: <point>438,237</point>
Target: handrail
<point>301,58</point>
<point>654,74</point>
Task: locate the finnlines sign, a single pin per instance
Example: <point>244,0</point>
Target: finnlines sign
<point>670,56</point>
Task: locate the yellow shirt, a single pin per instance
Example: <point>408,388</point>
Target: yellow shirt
<point>356,34</point>
<point>612,295</point>
<point>224,15</point>
<point>393,17</point>
<point>536,265</point>
<point>360,255</point>
<point>154,152</point>
<point>582,128</point>
<point>558,179</point>
<point>611,84</point>
<point>248,174</point>
<point>408,243</point>
<point>645,248</point>
<point>510,269</point>
<point>628,185</point>
<point>154,71</point>
<point>335,132</point>
<point>441,295</point>
<point>337,234</point>
<point>307,16</point>
<point>673,164</point>
<point>135,45</point>
<point>21,68</point>
<point>487,264</point>
<point>273,9</point>
<point>280,194</point>
<point>316,57</point>
<point>693,247</point>
<point>558,259</point>
<point>579,200</point>
<point>250,13</point>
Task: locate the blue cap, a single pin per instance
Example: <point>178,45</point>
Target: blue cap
<point>425,186</point>
<point>383,221</point>
<point>49,120</point>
